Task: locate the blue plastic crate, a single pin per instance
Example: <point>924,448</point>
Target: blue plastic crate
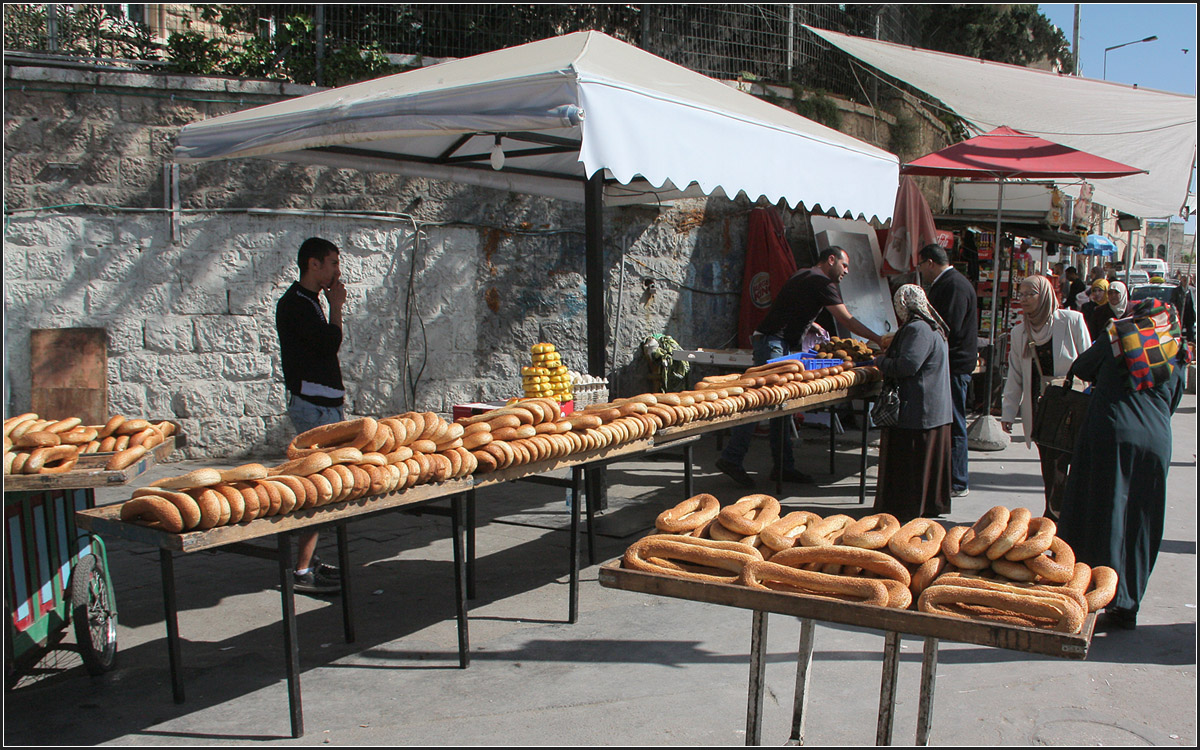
<point>809,360</point>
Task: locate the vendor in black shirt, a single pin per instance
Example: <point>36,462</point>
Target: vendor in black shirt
<point>308,346</point>
<point>800,300</point>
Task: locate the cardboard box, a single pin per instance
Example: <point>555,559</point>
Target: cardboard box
<point>461,411</point>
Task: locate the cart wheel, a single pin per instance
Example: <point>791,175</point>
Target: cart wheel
<point>93,615</point>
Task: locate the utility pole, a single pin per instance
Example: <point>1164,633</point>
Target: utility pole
<point>1075,41</point>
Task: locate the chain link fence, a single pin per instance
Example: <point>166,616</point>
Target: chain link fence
<point>326,44</point>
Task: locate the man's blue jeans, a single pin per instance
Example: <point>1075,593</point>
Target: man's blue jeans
<point>958,432</point>
<point>765,348</point>
<point>306,415</point>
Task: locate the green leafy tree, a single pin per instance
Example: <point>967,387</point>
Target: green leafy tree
<point>1015,34</point>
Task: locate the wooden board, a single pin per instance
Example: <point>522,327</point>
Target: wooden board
<point>106,520</point>
<point>68,370</point>
<point>89,471</point>
<point>908,622</point>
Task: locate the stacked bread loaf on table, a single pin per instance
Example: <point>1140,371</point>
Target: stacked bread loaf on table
<point>367,456</point>
<point>53,446</point>
<point>1008,567</point>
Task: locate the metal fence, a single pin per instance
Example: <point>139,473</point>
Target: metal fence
<point>764,42</point>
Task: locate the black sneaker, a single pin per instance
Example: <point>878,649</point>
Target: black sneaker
<point>314,582</point>
<point>331,572</point>
<point>791,475</point>
<point>1117,618</point>
<point>735,472</point>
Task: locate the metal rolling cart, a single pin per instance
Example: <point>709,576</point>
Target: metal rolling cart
<point>56,575</point>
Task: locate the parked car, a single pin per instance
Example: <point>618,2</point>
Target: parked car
<point>1168,293</point>
<point>1136,278</point>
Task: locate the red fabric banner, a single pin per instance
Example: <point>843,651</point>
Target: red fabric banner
<point>769,263</point>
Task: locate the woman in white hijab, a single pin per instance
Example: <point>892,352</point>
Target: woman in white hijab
<point>914,454</point>
<point>1043,346</point>
<point>1118,298</point>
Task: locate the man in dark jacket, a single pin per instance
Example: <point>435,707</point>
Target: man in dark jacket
<point>308,346</point>
<point>953,296</point>
<point>1075,286</point>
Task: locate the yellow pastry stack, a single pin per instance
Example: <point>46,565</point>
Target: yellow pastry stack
<point>548,377</point>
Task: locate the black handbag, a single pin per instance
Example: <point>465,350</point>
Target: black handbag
<point>886,411</point>
<point>1059,417</point>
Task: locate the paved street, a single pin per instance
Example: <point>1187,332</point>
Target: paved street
<point>635,670</point>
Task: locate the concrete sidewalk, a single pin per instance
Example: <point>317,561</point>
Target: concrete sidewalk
<point>635,670</point>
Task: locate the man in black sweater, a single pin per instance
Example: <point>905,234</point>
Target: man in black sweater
<point>308,345</point>
<point>953,296</point>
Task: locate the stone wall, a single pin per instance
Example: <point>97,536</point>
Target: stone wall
<point>448,284</point>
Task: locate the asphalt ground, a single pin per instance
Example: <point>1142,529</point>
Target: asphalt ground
<point>635,669</point>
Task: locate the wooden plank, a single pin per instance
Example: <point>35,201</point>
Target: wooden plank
<point>908,622</point>
<point>69,373</point>
<point>607,453</point>
<point>106,520</point>
<point>89,471</point>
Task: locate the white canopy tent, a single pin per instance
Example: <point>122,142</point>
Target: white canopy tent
<point>1156,130</point>
<point>581,117</point>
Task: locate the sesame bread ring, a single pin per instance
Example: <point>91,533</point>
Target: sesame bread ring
<point>486,461</point>
<point>9,458</point>
<point>1014,571</point>
<point>38,439</point>
<point>504,433</point>
<point>784,533</point>
<point>477,440</point>
<point>244,473</point>
<point>717,531</point>
<point>774,577</point>
<point>122,442</point>
<point>990,526</point>
<point>880,563</point>
<point>348,481</point>
<point>456,463</point>
<point>477,427</point>
<point>373,459</point>
<point>334,480</point>
<point>185,505</point>
<point>688,515</point>
<point>287,496</point>
<point>926,573</point>
<point>1081,578</point>
<point>526,431</point>
<point>750,514</point>
<point>131,426</point>
<point>212,507</point>
<point>502,421</point>
<point>871,532</point>
<point>346,455</point>
<point>254,507</point>
<point>353,433</point>
<point>952,550</point>
<point>583,422</point>
<point>1041,534</point>
<point>1101,589</point>
<point>107,444</point>
<point>303,467</point>
<point>664,553</point>
<point>1028,590</point>
<point>433,423</point>
<point>825,532</point>
<point>153,511</point>
<point>1016,531</point>
<point>323,487</point>
<point>79,435</point>
<point>1056,564</point>
<point>63,425</point>
<point>396,434</point>
<point>235,500</point>
<point>191,480</point>
<point>27,425</point>
<point>362,481</point>
<point>1063,614</point>
<point>423,446</point>
<point>400,455</point>
<point>917,541</point>
<point>11,423</point>
<point>900,596</point>
<point>58,459</point>
<point>298,488</point>
<point>148,437</point>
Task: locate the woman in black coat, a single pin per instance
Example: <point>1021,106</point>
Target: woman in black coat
<point>914,455</point>
<point>1115,502</point>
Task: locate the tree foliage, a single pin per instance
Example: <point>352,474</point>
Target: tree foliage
<point>1013,34</point>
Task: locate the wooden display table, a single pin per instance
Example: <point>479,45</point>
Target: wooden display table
<point>892,622</point>
<point>89,472</point>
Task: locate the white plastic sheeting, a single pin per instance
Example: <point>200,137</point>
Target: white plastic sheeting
<point>601,104</point>
<point>1153,130</point>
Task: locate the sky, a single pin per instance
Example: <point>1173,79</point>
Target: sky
<point>1167,64</point>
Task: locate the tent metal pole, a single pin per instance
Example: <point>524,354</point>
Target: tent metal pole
<point>996,264</point>
<point>593,213</point>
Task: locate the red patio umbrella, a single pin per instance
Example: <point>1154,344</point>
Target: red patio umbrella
<point>1005,153</point>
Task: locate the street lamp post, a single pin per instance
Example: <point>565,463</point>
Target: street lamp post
<point>1126,44</point>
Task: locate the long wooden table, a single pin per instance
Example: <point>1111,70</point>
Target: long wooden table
<point>892,622</point>
<point>461,494</point>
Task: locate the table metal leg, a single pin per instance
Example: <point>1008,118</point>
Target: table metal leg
<point>471,544</point>
<point>687,471</point>
<point>576,487</point>
<point>347,599</point>
<point>832,440</point>
<point>803,665</point>
<point>590,499</point>
<point>758,670</point>
<point>458,517</point>
<point>291,644</point>
<point>928,678</point>
<point>887,688</point>
<point>862,464</point>
<point>166,564</point>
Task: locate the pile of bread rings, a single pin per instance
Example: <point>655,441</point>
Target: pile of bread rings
<point>53,446</point>
<point>421,447</point>
<point>1008,567</point>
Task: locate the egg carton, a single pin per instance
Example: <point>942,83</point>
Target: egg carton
<point>587,394</point>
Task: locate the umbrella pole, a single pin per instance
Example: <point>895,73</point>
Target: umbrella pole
<point>985,433</point>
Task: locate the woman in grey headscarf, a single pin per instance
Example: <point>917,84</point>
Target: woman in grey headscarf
<point>914,455</point>
<point>1043,346</point>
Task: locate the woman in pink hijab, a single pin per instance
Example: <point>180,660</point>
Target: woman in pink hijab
<point>1043,346</point>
